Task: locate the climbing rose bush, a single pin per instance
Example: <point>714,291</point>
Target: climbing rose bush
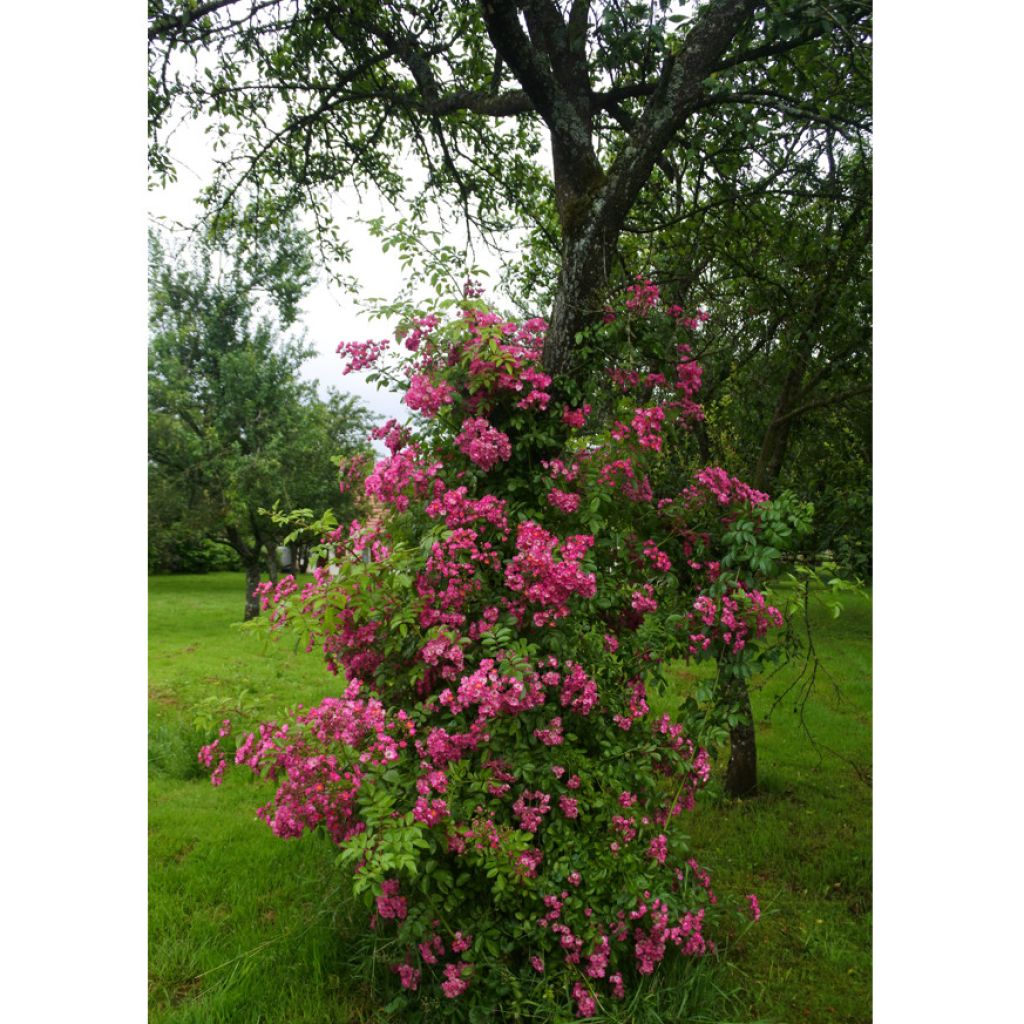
<point>489,765</point>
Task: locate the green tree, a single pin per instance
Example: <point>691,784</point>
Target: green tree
<point>176,542</point>
<point>786,271</point>
<point>232,426</point>
<point>784,265</point>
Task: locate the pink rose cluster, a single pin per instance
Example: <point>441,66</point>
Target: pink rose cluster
<point>548,571</point>
<point>483,444</point>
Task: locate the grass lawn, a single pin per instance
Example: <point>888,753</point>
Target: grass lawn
<point>247,928</point>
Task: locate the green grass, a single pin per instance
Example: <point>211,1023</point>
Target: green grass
<point>247,928</point>
<point>804,843</point>
<point>201,656</point>
<point>240,930</point>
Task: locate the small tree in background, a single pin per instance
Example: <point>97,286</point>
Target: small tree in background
<point>232,426</point>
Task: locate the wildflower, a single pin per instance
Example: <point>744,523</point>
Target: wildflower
<point>409,976</point>
<point>755,907</point>
<point>585,1003</point>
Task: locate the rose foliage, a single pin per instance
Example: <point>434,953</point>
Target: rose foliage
<point>490,767</point>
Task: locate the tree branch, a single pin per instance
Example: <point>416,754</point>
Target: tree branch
<point>820,402</point>
<point>767,50</point>
<point>505,104</point>
<point>570,134</point>
<point>785,105</point>
<point>182,21</point>
<point>677,95</point>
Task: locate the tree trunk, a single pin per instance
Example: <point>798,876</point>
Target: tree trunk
<point>271,558</point>
<point>550,62</point>
<point>700,432</point>
<point>252,579</point>
<point>741,775</point>
<point>776,436</point>
<point>250,557</point>
<point>583,277</point>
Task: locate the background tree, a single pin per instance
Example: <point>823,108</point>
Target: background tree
<point>176,542</point>
<point>232,426</point>
<point>787,353</point>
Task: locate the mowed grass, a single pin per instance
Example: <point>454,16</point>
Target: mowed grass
<point>245,927</point>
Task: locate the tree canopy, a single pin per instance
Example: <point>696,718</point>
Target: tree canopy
<point>636,102</point>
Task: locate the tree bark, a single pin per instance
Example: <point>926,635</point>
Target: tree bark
<point>776,436</point>
<point>272,567</point>
<point>741,775</point>
<point>700,432</point>
<point>550,62</point>
<point>250,557</point>
<point>584,273</point>
<point>252,579</point>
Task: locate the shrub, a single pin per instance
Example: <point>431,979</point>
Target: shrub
<point>174,549</point>
<point>490,769</point>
